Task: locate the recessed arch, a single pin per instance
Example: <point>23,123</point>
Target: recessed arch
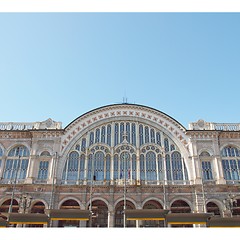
<point>150,117</point>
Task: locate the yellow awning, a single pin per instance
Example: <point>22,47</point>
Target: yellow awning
<point>188,218</point>
<point>26,218</point>
<point>224,222</point>
<point>68,214</point>
<point>3,223</point>
<point>146,214</point>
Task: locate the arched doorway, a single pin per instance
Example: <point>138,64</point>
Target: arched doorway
<point>5,206</point>
<point>236,208</point>
<point>180,206</point>
<point>152,204</point>
<point>38,207</point>
<point>119,214</point>
<point>69,204</point>
<point>213,208</point>
<point>99,214</point>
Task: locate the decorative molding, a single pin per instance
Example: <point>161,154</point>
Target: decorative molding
<point>125,110</point>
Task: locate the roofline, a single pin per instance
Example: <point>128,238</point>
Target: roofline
<point>121,104</point>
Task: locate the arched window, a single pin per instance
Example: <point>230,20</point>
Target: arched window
<point>91,140</point>
<point>177,168</point>
<point>141,135</point>
<point>115,173</point>
<point>160,168</point>
<point>82,167</point>
<point>231,163</point>
<point>17,163</point>
<point>152,136</point>
<point>206,165</point>
<point>128,131</point>
<point>124,165</point>
<point>45,154</point>
<point>99,166</point>
<point>108,167</point>
<point>151,167</point>
<point>121,132</point>
<point>90,167</point>
<point>134,167</point>
<point>97,138</point>
<point>109,135</point>
<point>83,147</point>
<point>134,134</point>
<point>103,134</point>
<point>116,141</point>
<point>158,136</point>
<point>166,145</point>
<point>168,167</point>
<point>146,135</point>
<point>142,167</point>
<point>71,167</point>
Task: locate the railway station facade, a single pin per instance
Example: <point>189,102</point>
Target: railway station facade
<point>116,157</point>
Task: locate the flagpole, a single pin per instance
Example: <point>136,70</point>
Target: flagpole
<point>91,192</point>
<point>14,185</point>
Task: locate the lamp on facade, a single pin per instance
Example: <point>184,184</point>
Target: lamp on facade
<point>25,202</point>
<point>230,202</point>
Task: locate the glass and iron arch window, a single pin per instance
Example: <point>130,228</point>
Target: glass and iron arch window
<point>231,163</point>
<point>17,163</point>
<point>70,171</point>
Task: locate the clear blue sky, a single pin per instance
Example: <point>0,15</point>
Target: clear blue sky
<point>61,65</point>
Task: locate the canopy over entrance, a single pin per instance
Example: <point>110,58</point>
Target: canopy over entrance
<point>224,222</point>
<point>146,214</point>
<point>26,218</point>
<point>68,214</point>
<point>188,218</point>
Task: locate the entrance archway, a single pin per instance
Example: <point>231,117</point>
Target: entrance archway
<point>152,204</point>
<point>38,207</point>
<point>5,206</point>
<point>213,208</point>
<point>180,206</point>
<point>69,204</point>
<point>236,208</point>
<point>119,214</point>
<point>99,214</point>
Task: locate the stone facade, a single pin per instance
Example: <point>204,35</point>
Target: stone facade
<point>164,168</point>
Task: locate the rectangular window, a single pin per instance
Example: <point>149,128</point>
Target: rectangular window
<point>43,170</point>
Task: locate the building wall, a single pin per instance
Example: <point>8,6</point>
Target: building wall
<point>49,136</point>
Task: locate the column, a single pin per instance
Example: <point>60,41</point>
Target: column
<point>111,216</point>
<point>31,167</point>
<point>2,166</point>
<point>198,168</point>
<point>219,170</point>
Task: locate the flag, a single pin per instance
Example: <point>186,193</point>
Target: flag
<point>121,175</point>
<point>129,173</point>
